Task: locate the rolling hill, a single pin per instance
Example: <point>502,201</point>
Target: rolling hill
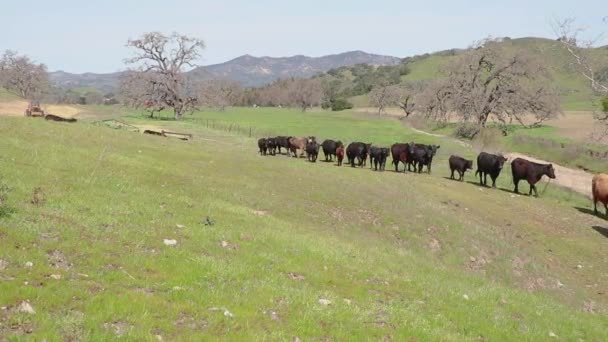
<point>247,69</point>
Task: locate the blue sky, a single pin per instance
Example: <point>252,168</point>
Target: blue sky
<point>80,36</point>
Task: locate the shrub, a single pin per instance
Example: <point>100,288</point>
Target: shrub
<point>466,131</point>
<point>404,69</point>
<point>340,104</point>
<point>605,104</point>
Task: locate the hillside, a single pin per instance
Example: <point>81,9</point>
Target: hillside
<point>249,70</point>
<point>296,251</point>
<point>575,92</point>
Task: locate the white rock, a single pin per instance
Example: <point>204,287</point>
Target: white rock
<point>324,301</point>
<point>29,264</point>
<point>466,297</point>
<point>169,242</point>
<point>56,276</point>
<point>579,266</point>
<point>180,226</point>
<point>228,313</point>
<point>347,301</point>
<point>26,307</point>
<point>552,334</point>
<point>158,337</point>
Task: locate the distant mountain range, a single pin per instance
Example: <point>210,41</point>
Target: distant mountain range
<point>248,70</point>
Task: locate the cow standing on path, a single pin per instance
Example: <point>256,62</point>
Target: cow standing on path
<point>461,165</point>
<point>402,153</point>
<point>312,151</point>
<point>329,148</point>
<point>377,158</point>
<point>282,142</point>
<point>530,171</point>
<point>340,155</point>
<point>599,190</point>
<point>357,151</point>
<point>262,146</point>
<point>489,164</point>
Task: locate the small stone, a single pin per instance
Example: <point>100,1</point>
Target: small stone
<point>29,264</point>
<point>560,284</point>
<point>26,307</point>
<point>296,339</point>
<point>324,301</point>
<point>169,242</point>
<point>177,288</point>
<point>579,266</point>
<point>473,259</point>
<point>55,276</point>
<point>466,297</point>
<point>180,226</point>
<point>158,337</point>
<point>552,334</point>
<point>3,264</point>
<point>228,313</point>
<point>347,301</point>
<point>224,244</point>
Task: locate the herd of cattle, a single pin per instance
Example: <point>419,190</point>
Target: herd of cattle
<point>413,156</point>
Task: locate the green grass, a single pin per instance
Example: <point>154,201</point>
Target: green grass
<point>392,252</point>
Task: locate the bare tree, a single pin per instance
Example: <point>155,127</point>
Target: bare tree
<point>166,58</point>
<point>578,48</point>
<point>490,80</point>
<point>304,93</point>
<point>382,96</point>
<point>404,96</point>
<point>21,76</point>
<point>142,90</point>
<point>220,93</point>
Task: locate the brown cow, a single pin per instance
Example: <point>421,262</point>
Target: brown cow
<point>599,189</point>
<point>296,144</point>
<point>530,171</point>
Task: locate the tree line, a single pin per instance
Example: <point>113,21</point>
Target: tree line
<point>484,82</point>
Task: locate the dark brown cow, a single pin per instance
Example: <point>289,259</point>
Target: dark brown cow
<point>530,171</point>
<point>340,154</point>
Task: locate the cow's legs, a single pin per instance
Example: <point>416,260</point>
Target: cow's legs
<point>533,188</point>
<point>485,179</point>
<point>452,175</point>
<point>516,182</point>
<point>493,181</point>
<point>594,207</point>
<point>606,208</point>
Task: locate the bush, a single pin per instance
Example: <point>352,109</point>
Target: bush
<point>340,104</point>
<point>466,131</point>
<point>404,69</point>
<point>605,104</point>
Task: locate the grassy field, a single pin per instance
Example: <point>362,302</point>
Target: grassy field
<point>297,249</point>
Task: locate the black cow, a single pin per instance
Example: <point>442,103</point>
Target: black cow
<point>271,145</point>
<point>358,151</point>
<point>423,155</point>
<point>58,118</point>
<point>312,150</point>
<point>329,149</point>
<point>489,164</point>
<point>282,142</point>
<point>402,153</point>
<point>530,171</point>
<point>262,146</point>
<point>377,157</point>
<point>461,165</point>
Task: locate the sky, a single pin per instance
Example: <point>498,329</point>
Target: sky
<point>90,36</point>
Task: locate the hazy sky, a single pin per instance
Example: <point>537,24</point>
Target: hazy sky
<point>80,36</point>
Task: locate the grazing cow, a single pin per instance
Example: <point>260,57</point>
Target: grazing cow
<point>296,144</point>
<point>262,146</point>
<point>599,189</point>
<point>461,165</point>
<point>340,155</point>
<point>423,155</point>
<point>377,157</point>
<point>358,151</point>
<point>312,150</point>
<point>329,148</point>
<point>271,145</point>
<point>282,142</point>
<point>530,171</point>
<point>58,118</point>
<point>489,164</point>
